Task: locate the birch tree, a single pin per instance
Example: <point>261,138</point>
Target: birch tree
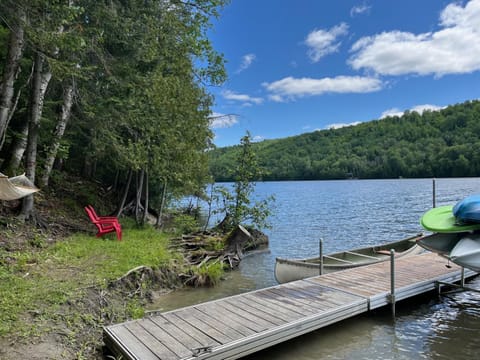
<point>65,114</point>
<point>41,78</point>
<point>12,63</point>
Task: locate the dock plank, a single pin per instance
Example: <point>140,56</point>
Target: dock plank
<point>203,338</point>
<point>286,298</point>
<point>210,326</point>
<point>130,345</point>
<point>328,296</point>
<point>179,333</point>
<point>267,303</point>
<point>297,297</point>
<point>164,337</point>
<point>242,325</point>
<point>256,311</point>
<point>259,324</point>
<point>150,341</point>
<point>303,297</point>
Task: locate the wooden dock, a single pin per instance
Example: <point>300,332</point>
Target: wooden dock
<point>239,325</point>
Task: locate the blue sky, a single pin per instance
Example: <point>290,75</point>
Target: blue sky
<point>298,66</point>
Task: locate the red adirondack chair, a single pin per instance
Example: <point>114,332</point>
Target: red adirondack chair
<point>104,224</point>
<point>112,218</point>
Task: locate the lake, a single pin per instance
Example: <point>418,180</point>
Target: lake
<point>350,214</point>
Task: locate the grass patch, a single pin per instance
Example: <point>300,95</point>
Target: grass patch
<point>35,282</point>
<point>209,274</point>
<point>110,259</point>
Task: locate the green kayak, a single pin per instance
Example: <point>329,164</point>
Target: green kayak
<point>441,219</point>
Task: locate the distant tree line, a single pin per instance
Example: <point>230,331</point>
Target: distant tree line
<point>113,90</point>
<point>443,143</point>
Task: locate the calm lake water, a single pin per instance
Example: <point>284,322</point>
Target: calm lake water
<point>349,214</point>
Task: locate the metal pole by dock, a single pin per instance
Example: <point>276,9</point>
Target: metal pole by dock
<point>392,281</point>
<point>321,257</point>
<point>434,193</point>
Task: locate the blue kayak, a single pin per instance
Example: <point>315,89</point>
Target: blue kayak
<point>468,210</point>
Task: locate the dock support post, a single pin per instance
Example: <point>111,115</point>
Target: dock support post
<point>462,280</point>
<point>434,193</point>
<point>321,257</point>
<point>392,281</point>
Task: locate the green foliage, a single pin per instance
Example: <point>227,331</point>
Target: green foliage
<point>184,223</point>
<point>238,205</point>
<point>141,72</point>
<point>215,244</point>
<point>150,111</point>
<point>209,273</point>
<point>134,309</point>
<point>441,143</point>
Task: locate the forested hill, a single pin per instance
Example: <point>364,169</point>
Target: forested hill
<point>442,143</point>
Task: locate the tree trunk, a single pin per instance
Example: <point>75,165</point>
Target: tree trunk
<point>125,194</point>
<point>18,144</point>
<point>209,202</point>
<point>145,212</point>
<point>41,78</point>
<point>16,150</point>
<point>236,241</point>
<point>58,134</point>
<point>138,202</point>
<point>162,205</point>
<point>115,181</point>
<point>12,64</point>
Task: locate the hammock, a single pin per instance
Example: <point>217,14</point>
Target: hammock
<point>15,187</point>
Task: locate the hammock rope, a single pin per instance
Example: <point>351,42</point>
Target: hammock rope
<point>16,187</point>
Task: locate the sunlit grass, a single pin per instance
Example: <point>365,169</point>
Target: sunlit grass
<point>108,259</point>
<point>37,281</point>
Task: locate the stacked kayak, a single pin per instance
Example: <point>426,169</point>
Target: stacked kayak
<point>456,232</point>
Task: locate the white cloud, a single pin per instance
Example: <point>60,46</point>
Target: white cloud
<point>258,138</point>
<point>291,88</point>
<point>418,108</point>
<point>426,107</point>
<point>360,9</point>
<point>221,121</point>
<point>276,98</point>
<point>247,100</point>
<point>324,42</point>
<point>391,112</point>
<point>454,49</point>
<point>341,125</point>
<point>247,60</point>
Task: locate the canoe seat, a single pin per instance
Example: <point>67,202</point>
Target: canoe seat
<point>362,255</point>
<point>337,259</point>
<point>383,252</point>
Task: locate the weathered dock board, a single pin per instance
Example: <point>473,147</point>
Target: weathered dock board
<point>236,326</point>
